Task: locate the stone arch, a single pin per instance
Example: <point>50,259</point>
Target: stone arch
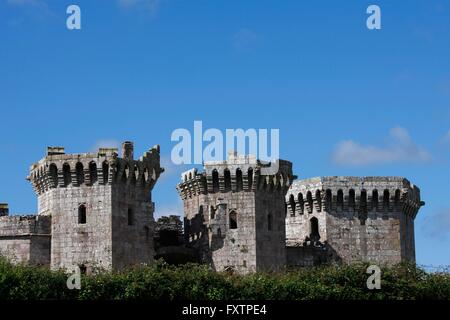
<point>239,181</point>
<point>386,199</point>
<point>227,180</point>
<point>53,170</point>
<point>340,200</point>
<point>301,203</point>
<point>309,201</point>
<point>215,180</point>
<point>329,200</point>
<point>93,175</point>
<point>67,175</point>
<point>351,199</point>
<point>105,172</point>
<point>319,200</point>
<point>375,200</point>
<point>292,204</point>
<point>79,170</point>
<point>250,178</point>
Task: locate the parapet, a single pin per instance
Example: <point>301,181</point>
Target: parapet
<point>25,225</point>
<point>237,173</point>
<point>59,170</point>
<point>341,194</point>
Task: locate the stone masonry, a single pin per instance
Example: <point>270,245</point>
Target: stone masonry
<point>353,219</point>
<point>96,207</point>
<point>234,215</point>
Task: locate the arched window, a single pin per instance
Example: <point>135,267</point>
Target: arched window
<point>80,173</point>
<point>314,229</point>
<point>82,214</point>
<point>301,203</point>
<point>292,204</point>
<point>130,217</point>
<point>397,197</point>
<point>105,172</point>
<point>239,182</point>
<point>328,199</point>
<point>375,200</point>
<point>269,222</point>
<point>54,175</point>
<point>310,201</point>
<point>215,178</point>
<point>250,179</point>
<point>233,220</point>
<point>93,176</point>
<point>386,196</point>
<point>363,200</point>
<point>340,200</point>
<point>227,178</point>
<point>351,199</point>
<point>319,200</point>
<point>67,175</point>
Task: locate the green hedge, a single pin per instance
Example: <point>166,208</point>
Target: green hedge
<point>196,282</point>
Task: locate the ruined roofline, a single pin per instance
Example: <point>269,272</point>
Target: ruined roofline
<point>58,169</point>
<point>25,225</point>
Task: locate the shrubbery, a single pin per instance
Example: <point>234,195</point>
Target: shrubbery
<point>196,282</point>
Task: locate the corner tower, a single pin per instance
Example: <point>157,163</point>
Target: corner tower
<point>352,219</point>
<point>234,213</point>
<point>100,206</point>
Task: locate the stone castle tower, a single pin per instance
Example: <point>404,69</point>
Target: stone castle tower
<point>351,219</point>
<point>100,206</point>
<point>235,213</point>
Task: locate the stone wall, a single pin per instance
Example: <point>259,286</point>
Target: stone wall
<point>25,239</point>
<point>361,219</point>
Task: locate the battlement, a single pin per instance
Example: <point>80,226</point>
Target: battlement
<point>25,225</point>
<point>343,194</point>
<point>237,173</point>
<point>59,170</point>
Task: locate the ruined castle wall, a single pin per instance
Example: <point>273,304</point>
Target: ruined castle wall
<point>222,246</point>
<point>25,239</point>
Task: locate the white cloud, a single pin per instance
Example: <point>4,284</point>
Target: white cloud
<point>438,224</point>
<point>151,6</point>
<point>400,149</point>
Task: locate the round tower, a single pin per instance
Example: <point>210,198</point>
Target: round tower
<point>353,218</point>
<point>234,213</point>
<point>100,205</point>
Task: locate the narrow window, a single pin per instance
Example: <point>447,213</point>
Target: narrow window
<point>397,198</point>
<point>375,200</point>
<point>130,217</point>
<point>250,179</point>
<point>310,201</point>
<point>80,173</point>
<point>215,178</point>
<point>239,182</point>
<point>54,175</point>
<point>66,174</point>
<point>340,200</point>
<point>386,196</point>
<point>319,200</point>
<point>227,178</point>
<point>269,222</point>
<point>328,199</point>
<point>233,220</point>
<point>351,199</point>
<point>82,214</point>
<point>105,172</point>
<point>292,204</point>
<point>301,203</point>
<point>93,172</point>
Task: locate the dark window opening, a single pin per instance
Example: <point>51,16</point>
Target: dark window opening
<point>301,203</point>
<point>83,269</point>
<point>292,204</point>
<point>105,172</point>
<point>340,199</point>
<point>80,173</point>
<point>310,201</point>
<point>328,199</point>
<point>239,182</point>
<point>215,178</point>
<point>250,179</point>
<point>351,199</point>
<point>130,217</point>
<point>314,229</point>
<point>319,200</point>
<point>375,200</point>
<point>397,197</point>
<point>67,175</point>
<point>82,214</point>
<point>227,178</point>
<point>233,220</point>
<point>93,177</point>
<point>386,196</point>
<point>54,175</point>
<point>269,222</point>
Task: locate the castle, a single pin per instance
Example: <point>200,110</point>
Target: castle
<point>95,210</point>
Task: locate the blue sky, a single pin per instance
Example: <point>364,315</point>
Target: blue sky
<point>347,100</point>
